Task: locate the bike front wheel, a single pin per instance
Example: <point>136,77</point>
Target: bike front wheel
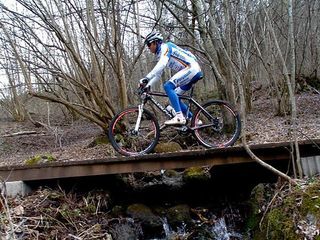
<point>216,125</point>
<point>129,142</point>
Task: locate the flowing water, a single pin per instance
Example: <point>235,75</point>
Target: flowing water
<point>217,207</point>
<point>219,231</point>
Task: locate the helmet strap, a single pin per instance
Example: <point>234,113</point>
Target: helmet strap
<point>158,46</point>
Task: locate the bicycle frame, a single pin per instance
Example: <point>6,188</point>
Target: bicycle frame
<point>148,96</point>
<point>137,129</point>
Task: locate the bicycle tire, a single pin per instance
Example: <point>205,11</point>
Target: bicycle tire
<point>125,141</point>
<point>222,130</point>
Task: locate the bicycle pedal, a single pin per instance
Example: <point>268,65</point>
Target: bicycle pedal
<point>181,128</point>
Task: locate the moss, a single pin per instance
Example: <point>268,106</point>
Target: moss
<point>252,222</point>
<point>196,174</point>
<point>37,159</point>
<point>310,206</point>
<point>34,160</point>
<point>258,198</point>
<point>280,222</point>
<point>293,209</point>
<point>280,225</point>
<point>167,147</point>
<point>178,214</point>
<point>311,200</point>
<point>49,158</point>
<point>260,195</point>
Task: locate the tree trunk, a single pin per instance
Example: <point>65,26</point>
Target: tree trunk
<point>291,86</point>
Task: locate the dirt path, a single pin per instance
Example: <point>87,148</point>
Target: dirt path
<point>74,141</point>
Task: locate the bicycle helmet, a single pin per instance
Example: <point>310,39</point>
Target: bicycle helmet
<point>153,36</point>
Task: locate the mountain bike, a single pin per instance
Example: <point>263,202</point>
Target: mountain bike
<point>136,130</point>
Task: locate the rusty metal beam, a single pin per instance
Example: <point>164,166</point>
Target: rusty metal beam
<point>153,162</point>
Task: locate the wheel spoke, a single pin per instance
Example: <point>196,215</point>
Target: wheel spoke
<point>126,140</point>
<point>221,129</point>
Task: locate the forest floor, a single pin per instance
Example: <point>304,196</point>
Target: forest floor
<point>53,213</point>
<point>72,142</point>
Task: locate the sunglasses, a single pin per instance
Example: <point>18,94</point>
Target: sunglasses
<point>149,44</point>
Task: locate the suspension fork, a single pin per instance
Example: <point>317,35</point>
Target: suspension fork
<point>140,108</point>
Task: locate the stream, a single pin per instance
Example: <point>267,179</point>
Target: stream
<point>169,205</point>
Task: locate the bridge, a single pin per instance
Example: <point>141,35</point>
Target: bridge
<point>152,162</point>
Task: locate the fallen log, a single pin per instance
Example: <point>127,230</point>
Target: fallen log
<point>20,133</point>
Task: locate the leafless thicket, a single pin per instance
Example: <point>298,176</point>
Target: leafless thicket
<point>88,55</point>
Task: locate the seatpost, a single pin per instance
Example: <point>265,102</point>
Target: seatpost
<point>189,101</point>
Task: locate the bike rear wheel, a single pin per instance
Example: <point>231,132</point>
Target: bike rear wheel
<point>218,125</point>
<point>126,140</point>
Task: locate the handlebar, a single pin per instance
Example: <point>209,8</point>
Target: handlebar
<point>142,88</point>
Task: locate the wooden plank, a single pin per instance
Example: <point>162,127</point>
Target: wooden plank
<point>153,162</point>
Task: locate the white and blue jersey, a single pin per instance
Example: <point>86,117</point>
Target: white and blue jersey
<point>179,60</point>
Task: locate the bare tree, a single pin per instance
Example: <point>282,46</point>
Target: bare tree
<point>11,100</point>
<point>223,39</point>
<point>87,54</point>
<point>291,85</point>
<point>77,54</point>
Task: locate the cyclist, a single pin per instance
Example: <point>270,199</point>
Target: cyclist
<point>187,69</point>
